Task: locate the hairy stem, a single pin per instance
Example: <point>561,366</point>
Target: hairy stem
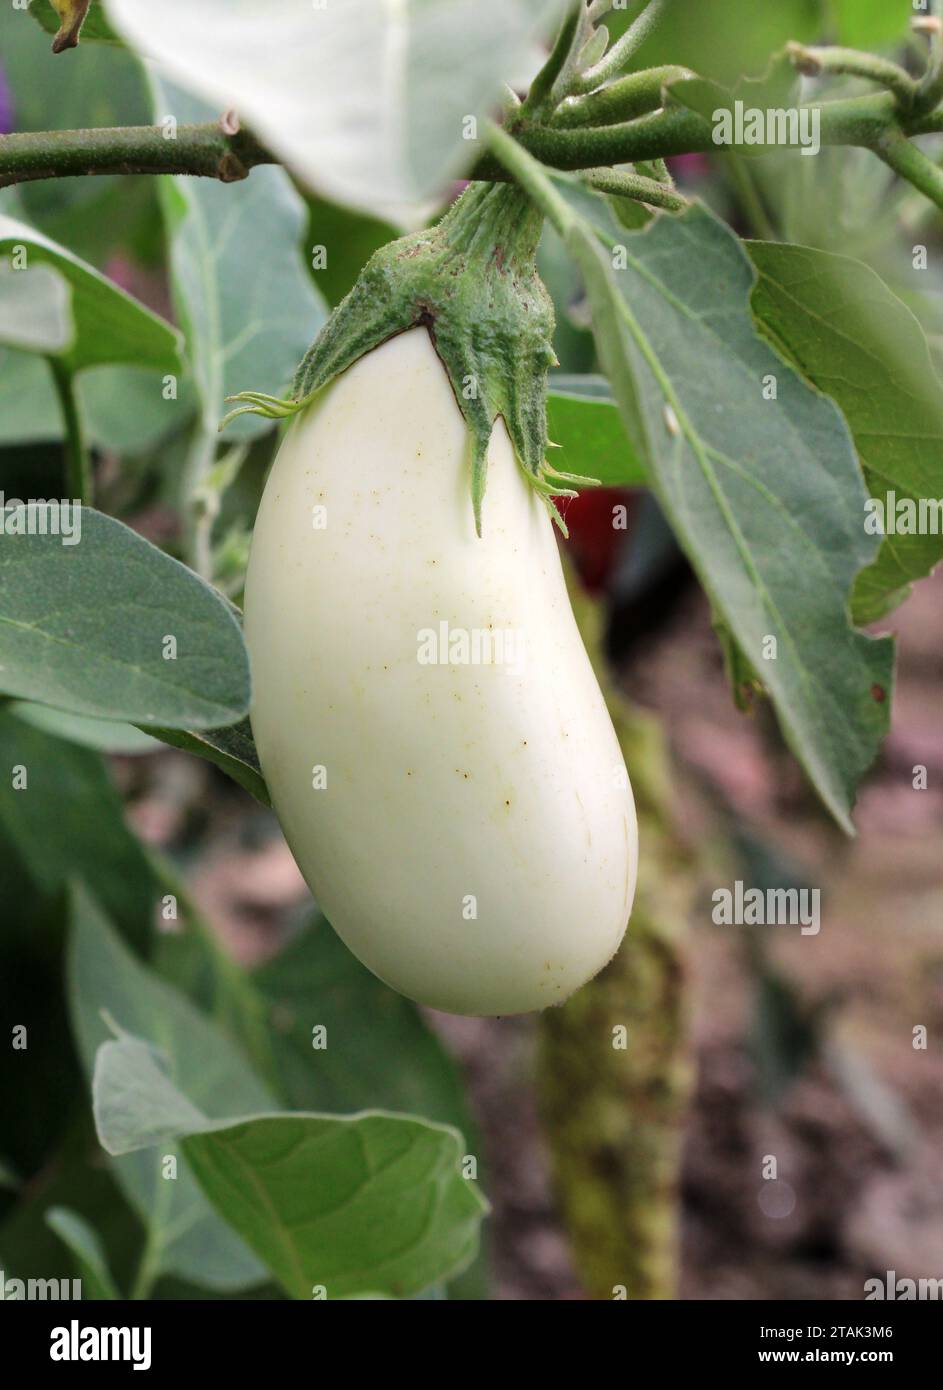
<point>623,100</point>
<point>204,150</point>
<point>643,190</point>
<point>623,49</point>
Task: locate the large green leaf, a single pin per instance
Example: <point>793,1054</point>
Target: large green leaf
<point>185,1236</point>
<point>243,293</point>
<point>84,627</point>
<point>110,326</point>
<point>366,101</point>
<point>854,339</point>
<point>35,310</point>
<point>584,420</point>
<point>765,495</point>
<point>371,1203</point>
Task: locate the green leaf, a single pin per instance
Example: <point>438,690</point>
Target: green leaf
<point>872,23</point>
<point>728,39</point>
<point>96,26</point>
<point>110,326</point>
<point>9,1181</point>
<point>185,1236</point>
<point>231,749</point>
<point>584,420</point>
<point>89,1253</point>
<point>366,102</point>
<point>68,822</point>
<point>765,496</point>
<point>853,338</point>
<point>372,1203</point>
<point>395,1064</point>
<point>84,627</point>
<point>29,406</point>
<point>35,310</point>
<point>242,290</point>
<point>104,735</point>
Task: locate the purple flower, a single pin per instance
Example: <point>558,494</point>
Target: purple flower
<point>6,106</point>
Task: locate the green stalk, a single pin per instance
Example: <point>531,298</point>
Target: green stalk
<point>644,190</point>
<point>912,164</point>
<point>849,62</point>
<point>623,100</point>
<point>78,463</point>
<point>623,49</point>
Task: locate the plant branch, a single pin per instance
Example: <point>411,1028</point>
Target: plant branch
<point>816,61</point>
<point>623,49</point>
<point>910,162</point>
<point>78,463</point>
<point>623,100</point>
<point>567,39</point>
<point>205,150</point>
<point>636,186</point>
<point>862,121</point>
<point>930,91</point>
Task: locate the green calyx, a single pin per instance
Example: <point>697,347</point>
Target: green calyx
<point>472,282</point>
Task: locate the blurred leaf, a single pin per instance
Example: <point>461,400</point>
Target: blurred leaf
<point>83,628</point>
<point>584,420</point>
<point>765,496</point>
<point>349,239</point>
<point>727,39</point>
<point>242,291</point>
<point>95,27</point>
<point>8,1178</point>
<point>841,326</point>
<point>126,408</point>
<point>872,23</point>
<point>35,310</point>
<point>88,1251</point>
<point>104,735</point>
<point>110,326</point>
<point>374,1202</point>
<point>29,406</point>
<point>186,1237</point>
<point>366,102</point>
<point>68,822</point>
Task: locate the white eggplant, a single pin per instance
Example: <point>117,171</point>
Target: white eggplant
<point>436,745</point>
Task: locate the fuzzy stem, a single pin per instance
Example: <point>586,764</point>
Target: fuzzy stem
<point>623,100</point>
<point>636,186</point>
<point>198,149</point>
<point>623,49</point>
<point>816,61</point>
<point>567,41</point>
